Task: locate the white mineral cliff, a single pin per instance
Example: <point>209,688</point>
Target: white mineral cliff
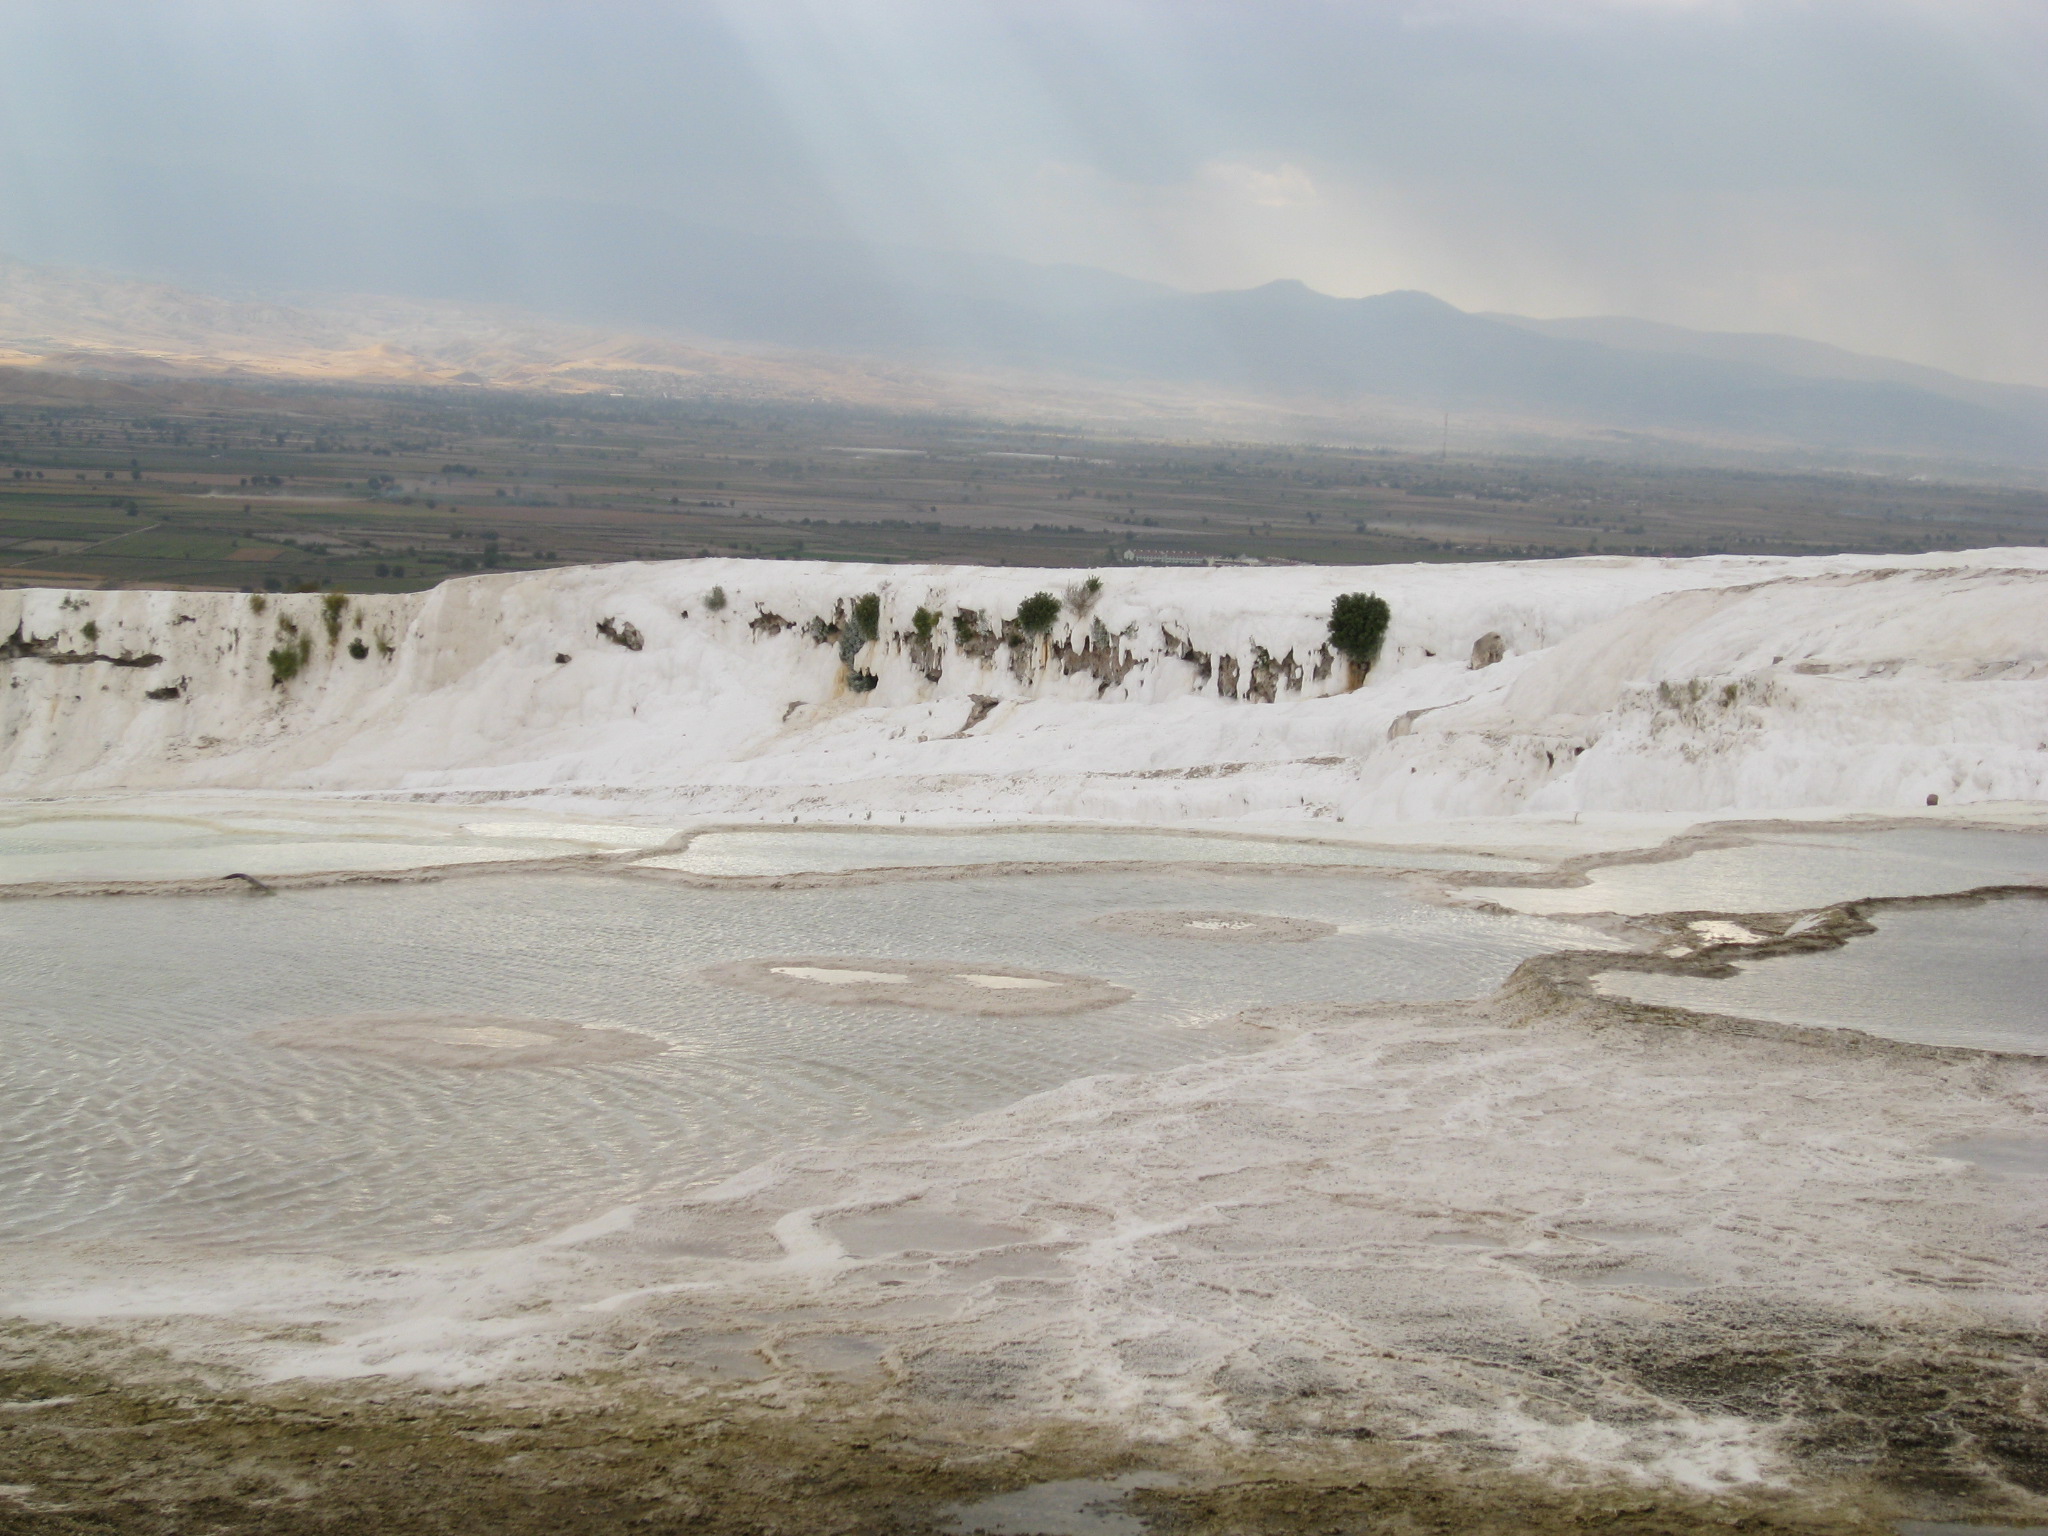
<point>1713,685</point>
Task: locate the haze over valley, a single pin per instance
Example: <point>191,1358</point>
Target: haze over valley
<point>1070,346</point>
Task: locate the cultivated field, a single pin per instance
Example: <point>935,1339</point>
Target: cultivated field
<point>209,485</point>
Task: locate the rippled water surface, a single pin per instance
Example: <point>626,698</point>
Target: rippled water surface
<point>1962,975</point>
<point>136,1102</point>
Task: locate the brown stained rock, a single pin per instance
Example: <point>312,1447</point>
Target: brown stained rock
<point>982,706</point>
<point>1269,675</point>
<point>621,633</point>
<point>22,647</point>
<point>1100,655</point>
<point>1183,650</point>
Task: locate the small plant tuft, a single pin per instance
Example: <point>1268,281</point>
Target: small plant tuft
<point>1082,595</point>
<point>332,609</point>
<point>357,649</point>
<point>715,599</point>
<point>867,615</point>
<point>1036,613</point>
<point>91,630</point>
<point>924,621</point>
<point>291,654</point>
<point>1358,627</point>
<point>257,603</point>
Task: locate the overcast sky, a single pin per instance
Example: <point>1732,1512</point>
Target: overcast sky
<point>1868,172</point>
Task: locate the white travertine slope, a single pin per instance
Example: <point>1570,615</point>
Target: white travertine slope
<point>1711,685</point>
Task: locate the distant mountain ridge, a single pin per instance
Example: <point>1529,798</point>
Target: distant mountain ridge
<point>1287,338</point>
<point>1372,368</point>
<point>1788,354</point>
<point>858,316</point>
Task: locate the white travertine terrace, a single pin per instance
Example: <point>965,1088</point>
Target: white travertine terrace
<point>1432,1222</point>
<point>1713,685</point>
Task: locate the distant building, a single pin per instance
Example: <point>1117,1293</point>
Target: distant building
<point>1165,557</point>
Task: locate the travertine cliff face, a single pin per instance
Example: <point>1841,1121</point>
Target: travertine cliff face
<point>1722,684</point>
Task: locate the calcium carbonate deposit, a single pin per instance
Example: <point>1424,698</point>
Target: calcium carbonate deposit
<point>1529,1064</point>
<point>1697,686</point>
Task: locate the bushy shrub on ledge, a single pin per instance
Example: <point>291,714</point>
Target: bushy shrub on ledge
<point>294,650</point>
<point>1358,627</point>
<point>1036,613</point>
<point>867,615</point>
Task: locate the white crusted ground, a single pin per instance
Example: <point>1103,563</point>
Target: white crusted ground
<point>1630,685</point>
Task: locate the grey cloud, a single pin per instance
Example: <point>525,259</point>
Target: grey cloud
<point>1874,174</point>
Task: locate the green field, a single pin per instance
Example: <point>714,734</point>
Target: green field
<point>190,485</point>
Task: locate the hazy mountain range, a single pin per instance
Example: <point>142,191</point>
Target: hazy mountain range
<point>675,309</point>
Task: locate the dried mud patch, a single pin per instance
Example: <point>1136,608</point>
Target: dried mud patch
<point>466,1040</point>
<point>990,991</point>
<point>1216,927</point>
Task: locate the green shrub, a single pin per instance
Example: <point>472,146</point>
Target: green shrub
<point>357,649</point>
<point>924,621</point>
<point>91,630</point>
<point>715,599</point>
<point>966,626</point>
<point>256,602</point>
<point>333,606</point>
<point>867,615</point>
<point>1358,626</point>
<point>292,653</point>
<point>1036,613</point>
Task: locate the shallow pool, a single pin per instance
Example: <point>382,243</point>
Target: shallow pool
<point>1782,872</point>
<point>1952,975</point>
<point>772,851</point>
<point>139,1101</point>
<point>84,843</point>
